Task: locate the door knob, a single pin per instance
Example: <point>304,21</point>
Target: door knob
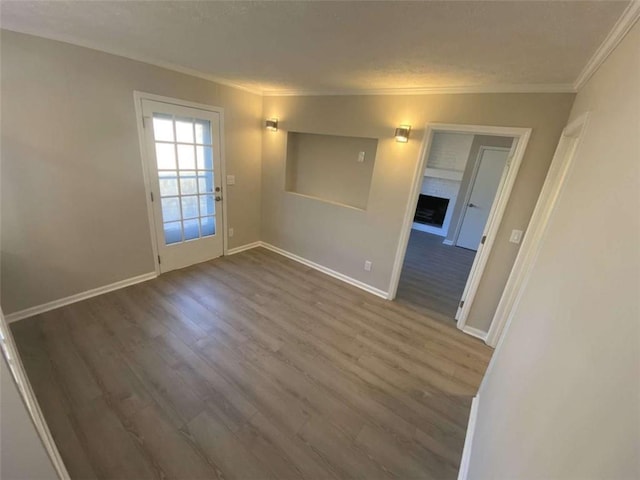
<point>472,205</point>
<point>218,198</point>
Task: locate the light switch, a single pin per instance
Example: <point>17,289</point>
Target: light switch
<point>361,157</point>
<point>231,179</point>
<point>516,236</point>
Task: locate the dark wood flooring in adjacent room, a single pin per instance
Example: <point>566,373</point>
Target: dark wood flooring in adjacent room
<point>433,275</point>
<point>249,367</point>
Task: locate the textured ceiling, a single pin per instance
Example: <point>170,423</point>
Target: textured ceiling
<point>337,46</point>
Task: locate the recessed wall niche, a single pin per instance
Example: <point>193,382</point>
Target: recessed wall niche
<point>332,168</point>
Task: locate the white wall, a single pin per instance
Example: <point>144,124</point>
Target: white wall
<point>562,396</point>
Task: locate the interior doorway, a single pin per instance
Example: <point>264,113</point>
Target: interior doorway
<point>462,184</point>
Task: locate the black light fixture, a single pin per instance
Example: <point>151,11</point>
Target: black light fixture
<point>272,124</point>
<point>402,133</point>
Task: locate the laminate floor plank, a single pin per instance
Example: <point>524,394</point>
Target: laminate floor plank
<point>252,367</point>
<point>109,443</point>
<point>52,399</point>
<point>450,368</point>
<point>225,449</point>
<point>433,275</point>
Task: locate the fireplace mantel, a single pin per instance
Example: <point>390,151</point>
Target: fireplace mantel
<point>446,174</point>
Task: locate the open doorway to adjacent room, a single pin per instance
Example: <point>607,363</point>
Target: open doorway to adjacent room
<point>462,186</point>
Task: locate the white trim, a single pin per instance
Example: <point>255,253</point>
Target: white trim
<point>495,88</point>
<point>493,224</point>
<point>468,439</point>
<point>176,101</point>
<point>138,97</point>
<point>142,144</point>
<point>617,33</point>
<point>521,135</point>
<point>475,332</point>
<point>620,29</point>
<point>224,186</point>
<point>491,88</point>
<point>327,271</point>
<point>14,361</point>
<point>455,175</point>
<point>141,58</point>
<point>45,307</point>
<point>545,206</point>
<point>324,200</point>
<point>242,248</point>
<point>447,242</point>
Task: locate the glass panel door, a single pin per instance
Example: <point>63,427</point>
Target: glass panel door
<point>185,147</point>
<point>184,156</point>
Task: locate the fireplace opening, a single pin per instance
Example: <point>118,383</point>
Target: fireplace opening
<point>431,210</point>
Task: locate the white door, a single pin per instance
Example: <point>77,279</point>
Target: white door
<point>490,167</point>
<point>183,155</point>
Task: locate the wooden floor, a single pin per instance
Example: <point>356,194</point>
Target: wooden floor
<point>433,275</point>
<point>251,367</point>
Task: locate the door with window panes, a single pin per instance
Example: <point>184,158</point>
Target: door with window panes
<point>183,154</point>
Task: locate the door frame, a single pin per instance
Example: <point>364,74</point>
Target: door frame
<point>521,137</point>
<point>138,97</point>
<point>545,206</point>
<point>472,182</point>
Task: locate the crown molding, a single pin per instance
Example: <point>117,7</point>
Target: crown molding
<point>140,58</point>
<point>522,88</point>
<point>495,88</point>
<point>617,33</point>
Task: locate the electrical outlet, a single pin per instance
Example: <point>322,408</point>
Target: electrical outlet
<point>361,157</point>
<point>231,179</point>
<point>367,266</point>
<point>516,236</point>
<point>230,232</point>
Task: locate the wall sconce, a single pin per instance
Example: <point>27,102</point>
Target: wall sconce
<point>272,124</point>
<point>402,133</point>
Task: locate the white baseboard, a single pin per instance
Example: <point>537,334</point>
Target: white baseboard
<point>468,439</point>
<point>242,248</point>
<point>447,242</point>
<point>475,332</point>
<point>328,271</point>
<point>45,307</point>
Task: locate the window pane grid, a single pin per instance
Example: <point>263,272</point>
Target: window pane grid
<point>205,170</point>
<point>186,177</point>
<point>167,142</point>
<point>175,147</point>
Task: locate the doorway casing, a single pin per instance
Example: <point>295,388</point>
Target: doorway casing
<point>521,139</point>
<point>551,190</point>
